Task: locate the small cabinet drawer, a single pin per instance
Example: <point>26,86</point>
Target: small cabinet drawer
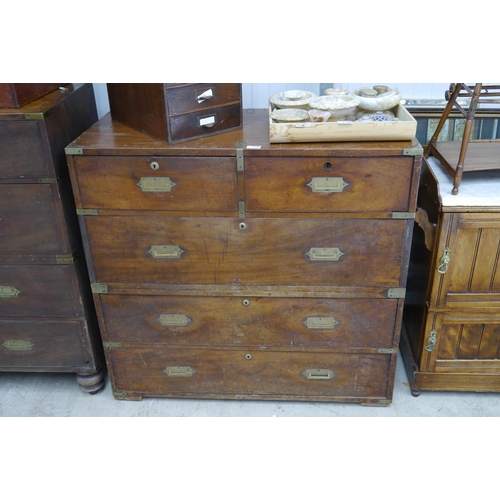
<point>323,184</point>
<point>21,150</point>
<point>336,251</point>
<point>256,373</point>
<point>30,219</point>
<point>192,98</point>
<point>33,290</point>
<point>157,183</point>
<point>253,321</point>
<point>31,344</point>
<point>208,121</point>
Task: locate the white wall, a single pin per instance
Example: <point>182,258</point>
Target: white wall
<point>256,95</point>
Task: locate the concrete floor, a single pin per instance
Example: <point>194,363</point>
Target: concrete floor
<point>58,395</point>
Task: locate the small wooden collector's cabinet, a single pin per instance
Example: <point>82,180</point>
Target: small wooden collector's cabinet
<point>47,317</point>
<point>451,335</point>
<point>231,268</point>
<point>177,112</point>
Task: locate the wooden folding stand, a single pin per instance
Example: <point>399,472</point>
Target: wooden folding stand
<point>481,154</point>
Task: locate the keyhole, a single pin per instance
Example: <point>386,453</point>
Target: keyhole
<point>245,302</point>
<point>242,226</point>
<point>248,356</point>
<point>327,166</point>
<point>154,165</point>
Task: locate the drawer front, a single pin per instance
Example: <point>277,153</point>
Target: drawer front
<point>42,344</point>
<point>474,256</point>
<point>157,183</point>
<point>196,97</point>
<point>325,184</point>
<point>30,220</point>
<point>235,373</point>
<point>343,252</point>
<point>467,343</point>
<point>204,122</point>
<point>35,290</point>
<point>236,321</point>
<point>21,150</point>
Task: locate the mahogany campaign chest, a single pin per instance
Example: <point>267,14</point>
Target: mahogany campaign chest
<point>451,335</point>
<point>47,317</point>
<point>227,267</point>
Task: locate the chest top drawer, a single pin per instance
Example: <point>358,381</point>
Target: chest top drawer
<point>157,183</point>
<point>21,150</point>
<point>323,184</point>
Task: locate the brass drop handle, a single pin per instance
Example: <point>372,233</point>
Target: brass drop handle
<point>432,341</point>
<point>445,260</point>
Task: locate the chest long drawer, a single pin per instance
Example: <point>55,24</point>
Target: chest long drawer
<point>49,344</point>
<point>236,321</point>
<point>252,373</point>
<point>39,290</point>
<point>339,251</point>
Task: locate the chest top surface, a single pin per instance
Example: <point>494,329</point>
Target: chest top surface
<point>108,137</point>
<point>477,189</point>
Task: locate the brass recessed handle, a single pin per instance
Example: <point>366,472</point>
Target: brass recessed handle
<point>9,292</point>
<point>317,254</point>
<point>166,251</point>
<point>156,184</point>
<point>327,184</point>
<point>319,374</point>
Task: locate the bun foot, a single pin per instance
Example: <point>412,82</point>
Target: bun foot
<point>91,383</point>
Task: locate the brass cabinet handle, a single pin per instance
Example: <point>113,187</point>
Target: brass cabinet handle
<point>174,319</point>
<point>179,371</point>
<point>166,251</point>
<point>321,322</point>
<point>324,254</point>
<point>319,374</point>
<point>18,345</point>
<point>156,184</point>
<point>9,292</point>
<point>445,260</point>
<point>327,184</point>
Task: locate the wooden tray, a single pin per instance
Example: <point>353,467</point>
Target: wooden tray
<point>404,129</point>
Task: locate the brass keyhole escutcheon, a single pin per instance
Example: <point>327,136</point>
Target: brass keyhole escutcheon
<point>154,165</point>
<point>245,302</point>
<point>327,166</point>
<point>248,356</point>
<point>242,226</point>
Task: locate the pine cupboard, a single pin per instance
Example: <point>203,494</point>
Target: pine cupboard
<point>451,333</point>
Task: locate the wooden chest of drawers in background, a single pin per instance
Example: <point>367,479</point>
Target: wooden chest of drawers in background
<point>226,267</point>
<point>451,338</point>
<point>47,316</point>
